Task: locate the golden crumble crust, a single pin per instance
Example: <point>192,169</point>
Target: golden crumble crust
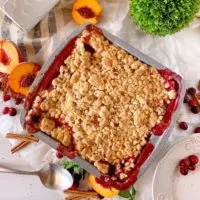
<point>110,98</point>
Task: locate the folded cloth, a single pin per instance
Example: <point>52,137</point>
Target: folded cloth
<point>30,43</point>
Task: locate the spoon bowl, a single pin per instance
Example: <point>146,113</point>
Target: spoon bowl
<point>52,176</point>
<point>55,177</point>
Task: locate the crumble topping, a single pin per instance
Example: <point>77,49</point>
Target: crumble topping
<point>111,99</point>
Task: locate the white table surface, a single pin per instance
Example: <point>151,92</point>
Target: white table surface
<point>19,187</point>
<point>180,52</point>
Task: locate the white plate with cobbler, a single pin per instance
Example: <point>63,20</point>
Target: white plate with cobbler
<point>177,175</point>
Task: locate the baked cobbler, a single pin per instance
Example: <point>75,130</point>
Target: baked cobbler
<point>104,102</point>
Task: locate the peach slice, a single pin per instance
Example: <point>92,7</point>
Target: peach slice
<point>101,189</point>
<point>10,56</point>
<point>84,11</point>
<point>22,77</point>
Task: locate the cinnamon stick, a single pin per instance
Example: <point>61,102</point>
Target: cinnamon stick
<point>28,138</point>
<point>19,146</point>
<point>83,193</point>
<point>197,98</point>
<point>74,198</point>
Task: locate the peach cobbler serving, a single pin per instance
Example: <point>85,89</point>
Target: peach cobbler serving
<point>104,102</point>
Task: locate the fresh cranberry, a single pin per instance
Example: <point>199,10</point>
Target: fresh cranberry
<point>195,109</point>
<point>191,91</point>
<point>12,111</point>
<point>59,154</point>
<point>197,130</point>
<point>186,98</point>
<point>183,125</point>
<point>18,101</point>
<point>184,171</point>
<point>6,97</point>
<point>167,75</point>
<point>192,167</point>
<point>5,110</point>
<point>193,159</point>
<point>74,186</point>
<point>184,163</point>
<point>192,102</point>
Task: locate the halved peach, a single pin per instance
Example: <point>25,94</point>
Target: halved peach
<point>101,189</point>
<point>10,56</point>
<point>85,11</point>
<point>22,77</point>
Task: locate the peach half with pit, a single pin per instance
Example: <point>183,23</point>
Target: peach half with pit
<point>101,188</point>
<point>22,77</point>
<point>10,56</point>
<point>86,11</point>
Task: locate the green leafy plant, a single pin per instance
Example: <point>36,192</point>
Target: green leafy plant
<point>69,165</point>
<point>163,17</point>
<point>128,194</point>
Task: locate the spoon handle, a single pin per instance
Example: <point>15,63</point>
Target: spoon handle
<point>5,169</point>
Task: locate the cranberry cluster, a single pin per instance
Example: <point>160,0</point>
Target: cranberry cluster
<point>184,126</point>
<point>191,98</point>
<point>191,101</point>
<point>10,110</point>
<point>187,164</point>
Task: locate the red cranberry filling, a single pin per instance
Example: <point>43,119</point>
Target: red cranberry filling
<point>35,119</point>
<point>59,154</point>
<point>89,48</point>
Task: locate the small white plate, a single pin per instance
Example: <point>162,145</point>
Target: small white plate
<point>168,183</point>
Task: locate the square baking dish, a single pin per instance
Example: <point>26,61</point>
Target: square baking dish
<point>159,134</point>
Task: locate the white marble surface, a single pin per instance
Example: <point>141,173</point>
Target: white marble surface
<point>180,52</point>
<point>19,187</point>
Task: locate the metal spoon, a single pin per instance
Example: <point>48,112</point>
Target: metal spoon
<point>52,176</point>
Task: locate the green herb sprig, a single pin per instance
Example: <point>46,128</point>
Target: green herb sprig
<point>71,165</point>
<point>128,194</point>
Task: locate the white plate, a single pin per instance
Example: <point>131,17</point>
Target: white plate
<point>26,13</point>
<point>168,183</point>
